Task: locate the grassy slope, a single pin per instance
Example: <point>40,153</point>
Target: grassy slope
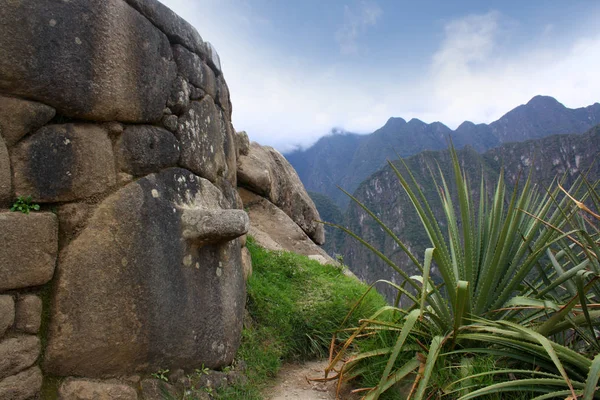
<point>295,305</point>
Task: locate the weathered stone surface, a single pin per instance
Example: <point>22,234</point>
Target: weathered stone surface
<point>84,389</point>
<point>5,175</point>
<point>204,139</point>
<point>274,230</point>
<point>17,354</point>
<point>223,99</point>
<point>71,219</point>
<point>243,143</point>
<point>144,149</point>
<point>266,172</point>
<point>153,389</point>
<point>29,248</point>
<point>213,226</point>
<point>180,96</point>
<point>212,57</point>
<point>177,29</point>
<point>133,295</point>
<point>63,163</point>
<point>7,313</point>
<point>98,60</point>
<point>170,123</point>
<point>246,263</point>
<point>18,117</point>
<point>23,386</point>
<point>195,70</point>
<point>28,316</point>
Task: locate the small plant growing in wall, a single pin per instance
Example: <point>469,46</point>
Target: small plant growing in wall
<point>24,204</point>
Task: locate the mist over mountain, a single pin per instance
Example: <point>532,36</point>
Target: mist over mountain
<point>347,159</point>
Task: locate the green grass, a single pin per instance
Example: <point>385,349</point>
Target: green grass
<point>295,305</point>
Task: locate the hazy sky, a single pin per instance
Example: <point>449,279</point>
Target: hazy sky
<point>298,68</point>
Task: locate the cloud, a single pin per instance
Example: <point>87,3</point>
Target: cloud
<point>357,20</point>
<point>475,75</point>
<point>479,70</point>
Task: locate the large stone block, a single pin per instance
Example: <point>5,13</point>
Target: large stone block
<point>196,71</point>
<point>98,60</point>
<point>63,163</point>
<point>28,316</point>
<point>204,140</point>
<point>7,313</point>
<point>177,29</point>
<point>85,389</point>
<point>266,172</point>
<point>5,175</point>
<point>23,386</point>
<point>29,248</point>
<point>17,354</point>
<point>144,149</point>
<point>19,117</point>
<point>135,293</point>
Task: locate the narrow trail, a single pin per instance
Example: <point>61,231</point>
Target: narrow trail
<point>293,383</point>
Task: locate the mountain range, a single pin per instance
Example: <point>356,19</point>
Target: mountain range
<point>565,156</point>
<point>347,159</point>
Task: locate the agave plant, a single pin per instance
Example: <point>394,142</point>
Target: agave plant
<point>519,275</point>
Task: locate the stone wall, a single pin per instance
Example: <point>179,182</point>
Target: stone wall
<point>115,117</point>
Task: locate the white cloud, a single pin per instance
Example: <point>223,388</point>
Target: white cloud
<point>357,19</point>
<point>473,77</point>
<point>285,97</point>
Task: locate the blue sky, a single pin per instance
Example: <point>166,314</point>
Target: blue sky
<point>298,68</point>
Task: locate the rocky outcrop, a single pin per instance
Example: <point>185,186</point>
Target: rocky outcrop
<point>275,230</point>
<point>266,172</point>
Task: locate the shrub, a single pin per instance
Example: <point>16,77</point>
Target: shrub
<point>519,277</point>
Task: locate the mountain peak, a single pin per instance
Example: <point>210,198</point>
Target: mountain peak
<point>544,101</point>
<point>395,122</point>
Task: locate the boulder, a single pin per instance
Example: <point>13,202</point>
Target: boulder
<point>96,60</point>
<point>7,313</point>
<point>18,117</point>
<point>196,71</point>
<point>243,143</point>
<point>177,29</point>
<point>17,354</point>
<point>28,316</point>
<point>84,389</point>
<point>134,293</point>
<point>143,149</point>
<point>266,172</point>
<point>5,175</point>
<point>274,230</point>
<point>63,163</point>
<point>205,140</point>
<point>24,386</point>
<point>29,248</point>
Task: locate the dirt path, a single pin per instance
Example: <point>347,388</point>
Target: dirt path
<point>292,384</point>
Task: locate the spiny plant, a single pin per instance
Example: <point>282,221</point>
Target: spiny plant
<point>519,282</point>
